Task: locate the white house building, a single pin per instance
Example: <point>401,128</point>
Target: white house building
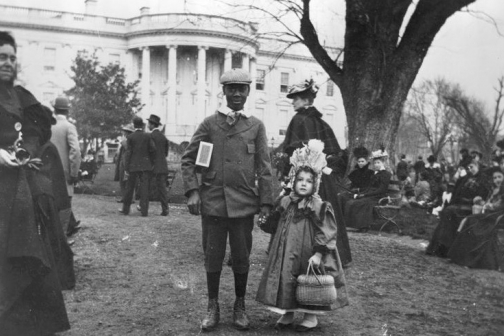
<point>178,58</point>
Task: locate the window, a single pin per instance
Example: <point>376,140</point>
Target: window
<point>236,61</point>
<point>330,89</point>
<point>284,82</point>
<point>49,59</point>
<point>260,79</point>
<point>114,58</point>
<point>283,117</point>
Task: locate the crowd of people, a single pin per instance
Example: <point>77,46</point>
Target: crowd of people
<point>308,221</point>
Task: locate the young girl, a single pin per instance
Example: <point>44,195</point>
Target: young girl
<point>306,234</point>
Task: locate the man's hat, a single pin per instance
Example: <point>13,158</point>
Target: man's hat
<point>154,119</point>
<point>128,128</point>
<point>307,85</point>
<point>62,103</point>
<point>235,76</point>
<point>138,122</point>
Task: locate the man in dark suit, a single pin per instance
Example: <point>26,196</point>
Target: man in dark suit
<point>235,186</point>
<point>140,157</point>
<point>160,171</point>
<point>402,168</point>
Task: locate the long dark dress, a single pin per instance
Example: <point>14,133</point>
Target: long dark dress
<point>477,244</point>
<point>31,302</point>
<point>466,189</point>
<point>307,124</point>
<point>306,226</point>
<point>358,213</point>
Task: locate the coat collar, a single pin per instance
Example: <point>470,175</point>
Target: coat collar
<point>225,110</point>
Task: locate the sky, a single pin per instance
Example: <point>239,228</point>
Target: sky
<point>469,49</point>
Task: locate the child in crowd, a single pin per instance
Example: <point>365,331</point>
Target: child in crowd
<point>306,234</point>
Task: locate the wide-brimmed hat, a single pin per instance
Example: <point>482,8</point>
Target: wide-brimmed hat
<point>235,76</point>
<point>154,119</point>
<point>307,85</point>
<point>379,154</point>
<point>61,103</point>
<point>128,128</point>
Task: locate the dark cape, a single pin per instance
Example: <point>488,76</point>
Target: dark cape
<point>359,212</point>
<point>307,124</point>
<point>31,302</point>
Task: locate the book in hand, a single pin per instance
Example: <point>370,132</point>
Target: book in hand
<point>204,154</point>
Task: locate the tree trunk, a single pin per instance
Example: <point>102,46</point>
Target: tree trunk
<point>379,65</point>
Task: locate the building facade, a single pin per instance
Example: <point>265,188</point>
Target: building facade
<point>178,59</point>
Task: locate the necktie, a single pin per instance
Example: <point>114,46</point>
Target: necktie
<point>232,117</point>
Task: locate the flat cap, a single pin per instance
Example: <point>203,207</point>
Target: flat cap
<point>235,76</point>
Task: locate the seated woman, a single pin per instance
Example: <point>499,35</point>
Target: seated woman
<point>360,177</point>
<point>476,244</point>
<point>359,210</point>
<point>422,191</point>
<point>466,189</point>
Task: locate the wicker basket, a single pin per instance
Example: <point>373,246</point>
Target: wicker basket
<point>315,290</point>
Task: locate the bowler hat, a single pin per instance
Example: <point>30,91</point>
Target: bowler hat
<point>62,103</point>
<point>235,76</point>
<point>138,122</point>
<point>154,119</point>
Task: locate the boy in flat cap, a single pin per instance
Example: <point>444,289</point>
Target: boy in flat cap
<point>235,186</point>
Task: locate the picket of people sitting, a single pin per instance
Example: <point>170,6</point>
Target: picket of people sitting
<point>358,211</point>
<point>466,189</point>
<point>476,243</point>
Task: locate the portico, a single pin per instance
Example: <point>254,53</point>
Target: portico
<point>179,67</point>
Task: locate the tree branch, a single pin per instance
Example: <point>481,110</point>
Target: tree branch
<point>311,41</point>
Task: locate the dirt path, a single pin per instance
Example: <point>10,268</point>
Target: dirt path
<point>144,276</point>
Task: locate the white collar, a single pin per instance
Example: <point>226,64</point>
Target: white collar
<point>225,110</point>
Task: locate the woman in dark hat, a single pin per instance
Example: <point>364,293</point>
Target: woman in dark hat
<point>360,177</point>
<point>307,124</point>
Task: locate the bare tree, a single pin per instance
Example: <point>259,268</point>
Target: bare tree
<point>481,128</point>
<point>435,120</point>
<point>384,47</point>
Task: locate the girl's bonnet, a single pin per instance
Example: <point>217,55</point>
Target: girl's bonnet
<point>310,155</point>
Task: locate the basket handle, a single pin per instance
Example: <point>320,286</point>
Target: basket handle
<point>310,267</point>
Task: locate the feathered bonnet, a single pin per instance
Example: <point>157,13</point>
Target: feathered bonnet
<point>310,155</point>
<point>307,86</point>
<point>379,154</point>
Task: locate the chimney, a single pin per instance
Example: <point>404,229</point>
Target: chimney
<point>91,7</point>
<point>144,11</point>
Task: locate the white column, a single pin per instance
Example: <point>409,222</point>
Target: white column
<point>171,115</point>
<point>128,65</point>
<point>145,81</point>
<point>200,106</point>
<point>252,95</point>
<point>227,60</point>
<point>245,62</point>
